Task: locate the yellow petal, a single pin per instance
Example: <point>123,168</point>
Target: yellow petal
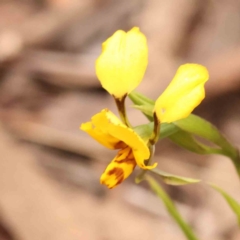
<point>119,169</point>
<point>108,130</point>
<point>123,62</point>
<point>130,138</point>
<point>118,130</point>
<point>102,119</point>
<point>102,137</point>
<point>184,93</point>
<point>141,160</point>
<point>98,129</point>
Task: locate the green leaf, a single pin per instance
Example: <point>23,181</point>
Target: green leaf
<point>147,110</point>
<point>174,179</point>
<point>144,104</point>
<point>233,204</point>
<point>167,129</point>
<point>187,141</point>
<point>140,99</point>
<point>171,208</point>
<point>202,128</point>
<point>145,130</point>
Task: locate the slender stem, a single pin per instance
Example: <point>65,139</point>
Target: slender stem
<point>234,155</point>
<point>171,208</point>
<point>156,131</point>
<point>237,168</point>
<point>120,102</point>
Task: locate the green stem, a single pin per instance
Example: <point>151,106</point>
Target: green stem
<point>156,131</point>
<point>172,210</point>
<point>234,155</point>
<point>120,102</point>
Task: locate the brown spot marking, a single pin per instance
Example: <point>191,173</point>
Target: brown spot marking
<point>127,161</point>
<point>119,174</point>
<point>122,151</point>
<point>120,145</point>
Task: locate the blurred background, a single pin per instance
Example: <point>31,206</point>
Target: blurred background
<point>49,170</point>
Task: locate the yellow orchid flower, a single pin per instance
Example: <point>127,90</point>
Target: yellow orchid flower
<point>109,131</point>
<point>184,93</point>
<point>123,62</point>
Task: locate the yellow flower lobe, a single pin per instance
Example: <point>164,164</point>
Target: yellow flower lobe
<point>123,62</point>
<point>184,93</point>
<point>109,131</point>
<point>119,169</point>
